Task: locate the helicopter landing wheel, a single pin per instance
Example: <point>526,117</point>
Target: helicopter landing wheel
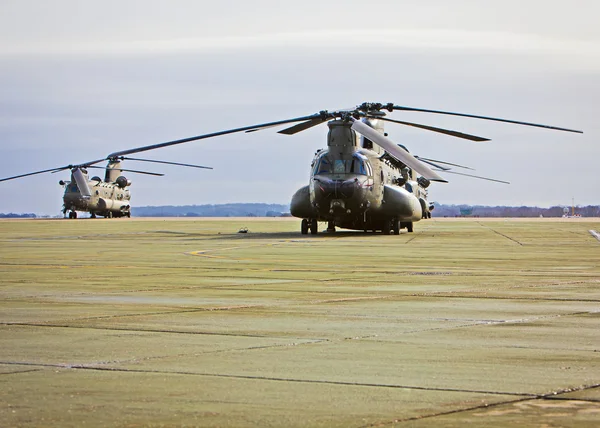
<point>109,215</point>
<point>93,215</point>
<point>314,228</point>
<point>409,227</point>
<point>386,227</point>
<point>396,226</point>
<point>331,226</point>
<point>304,226</point>
<point>73,214</point>
<point>128,214</point>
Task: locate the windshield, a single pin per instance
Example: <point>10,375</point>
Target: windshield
<point>356,165</point>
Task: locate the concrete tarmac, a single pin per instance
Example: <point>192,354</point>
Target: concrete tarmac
<point>167,322</point>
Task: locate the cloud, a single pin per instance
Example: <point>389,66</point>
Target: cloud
<point>422,39</point>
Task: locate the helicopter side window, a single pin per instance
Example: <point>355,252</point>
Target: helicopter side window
<point>369,169</point>
<point>358,165</point>
<point>408,187</point>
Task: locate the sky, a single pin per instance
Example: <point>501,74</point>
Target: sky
<point>80,80</point>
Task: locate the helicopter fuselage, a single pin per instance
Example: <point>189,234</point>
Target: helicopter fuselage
<point>107,199</point>
<point>354,185</point>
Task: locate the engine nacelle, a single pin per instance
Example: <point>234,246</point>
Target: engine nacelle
<point>122,182</point>
<point>112,205</point>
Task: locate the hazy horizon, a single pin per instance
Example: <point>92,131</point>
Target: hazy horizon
<point>81,80</point>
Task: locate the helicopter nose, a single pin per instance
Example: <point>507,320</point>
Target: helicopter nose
<point>337,189</point>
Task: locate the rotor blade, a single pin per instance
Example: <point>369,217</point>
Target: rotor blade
<point>302,126</point>
<point>34,173</point>
<point>260,128</point>
<point>473,116</point>
<point>394,150</point>
<point>477,176</point>
<point>129,170</point>
<point>440,130</point>
<point>445,163</point>
<point>81,165</point>
<point>441,168</point>
<point>82,183</point>
<point>165,162</point>
<point>214,134</point>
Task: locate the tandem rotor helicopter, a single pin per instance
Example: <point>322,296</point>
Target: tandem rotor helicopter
<point>109,198</point>
<point>362,180</point>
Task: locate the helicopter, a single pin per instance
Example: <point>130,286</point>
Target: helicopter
<point>363,180</point>
<point>109,198</point>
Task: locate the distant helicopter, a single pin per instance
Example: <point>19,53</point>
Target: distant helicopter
<point>363,180</point>
<point>109,198</point>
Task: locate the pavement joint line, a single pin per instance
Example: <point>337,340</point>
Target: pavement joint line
<point>585,400</point>
<point>447,413</point>
<point>433,294</point>
<point>501,234</point>
<point>21,371</point>
<point>267,378</point>
<point>169,312</point>
<point>536,299</point>
<point>200,333</point>
<point>547,396</point>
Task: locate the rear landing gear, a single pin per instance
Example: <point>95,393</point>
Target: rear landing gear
<point>309,224</point>
<point>331,226</point>
<point>73,214</point>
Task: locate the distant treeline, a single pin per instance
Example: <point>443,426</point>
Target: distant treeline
<point>222,210</point>
<point>280,210</point>
<point>277,210</point>
<point>503,211</point>
<point>13,215</point>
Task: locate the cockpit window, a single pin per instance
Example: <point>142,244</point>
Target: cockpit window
<point>356,165</point>
<point>324,166</point>
<point>339,166</point>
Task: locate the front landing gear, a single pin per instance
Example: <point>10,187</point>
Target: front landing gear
<point>73,214</point>
<point>396,227</point>
<point>408,225</point>
<point>309,224</point>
